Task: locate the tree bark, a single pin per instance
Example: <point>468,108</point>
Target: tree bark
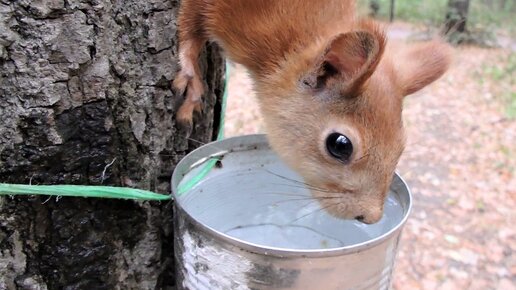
<point>85,98</point>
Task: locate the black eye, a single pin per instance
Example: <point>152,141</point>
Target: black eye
<point>339,146</point>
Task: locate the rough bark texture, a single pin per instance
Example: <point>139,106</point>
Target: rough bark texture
<point>83,84</point>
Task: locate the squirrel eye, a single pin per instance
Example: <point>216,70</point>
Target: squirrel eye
<point>339,146</point>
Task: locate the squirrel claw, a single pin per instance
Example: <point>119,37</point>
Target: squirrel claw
<point>180,83</point>
<point>184,117</point>
<point>184,128</point>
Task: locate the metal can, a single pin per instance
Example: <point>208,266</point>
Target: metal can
<point>244,220</point>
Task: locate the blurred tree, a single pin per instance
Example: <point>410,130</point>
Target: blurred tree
<point>374,7</point>
<point>391,15</point>
<point>456,20</point>
<point>489,3</point>
<point>498,4</point>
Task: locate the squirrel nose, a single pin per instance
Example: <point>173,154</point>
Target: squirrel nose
<point>359,218</point>
<point>365,220</point>
<point>370,218</point>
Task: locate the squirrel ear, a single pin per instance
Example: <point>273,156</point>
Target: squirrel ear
<point>348,60</point>
<point>422,64</point>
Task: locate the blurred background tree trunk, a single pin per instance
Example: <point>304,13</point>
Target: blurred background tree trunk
<point>392,10</point>
<point>85,99</point>
<point>500,4</point>
<point>456,19</point>
<point>374,8</point>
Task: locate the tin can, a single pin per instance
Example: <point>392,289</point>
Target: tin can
<point>244,220</point>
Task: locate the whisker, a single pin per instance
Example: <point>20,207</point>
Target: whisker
<point>332,193</point>
<point>304,187</point>
<point>306,198</point>
<point>311,200</point>
<point>283,193</point>
<point>285,178</point>
<point>337,195</point>
<point>303,195</point>
<point>309,186</point>
<point>367,153</point>
<point>307,204</point>
<point>281,226</point>
<point>363,156</point>
<point>312,212</point>
<point>197,141</point>
<point>203,143</point>
<point>293,199</point>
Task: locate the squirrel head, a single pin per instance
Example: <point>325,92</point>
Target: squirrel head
<point>333,112</point>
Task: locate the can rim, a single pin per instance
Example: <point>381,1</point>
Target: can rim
<point>277,251</point>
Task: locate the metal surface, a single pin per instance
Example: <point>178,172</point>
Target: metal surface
<point>250,224</point>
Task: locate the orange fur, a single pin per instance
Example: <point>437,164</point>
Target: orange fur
<point>318,70</point>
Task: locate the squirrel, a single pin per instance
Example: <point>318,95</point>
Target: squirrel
<point>329,88</point>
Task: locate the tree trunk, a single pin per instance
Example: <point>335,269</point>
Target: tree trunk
<point>502,4</point>
<point>85,84</point>
<point>374,8</point>
<point>392,9</point>
<point>457,16</point>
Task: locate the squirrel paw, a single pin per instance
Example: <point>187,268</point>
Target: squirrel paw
<point>180,82</point>
<point>189,83</point>
<point>184,116</point>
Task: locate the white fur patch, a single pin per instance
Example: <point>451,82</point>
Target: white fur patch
<point>187,66</point>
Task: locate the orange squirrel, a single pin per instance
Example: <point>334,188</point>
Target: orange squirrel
<point>329,88</point>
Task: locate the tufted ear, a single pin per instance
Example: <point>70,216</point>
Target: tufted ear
<point>348,61</point>
<point>421,64</point>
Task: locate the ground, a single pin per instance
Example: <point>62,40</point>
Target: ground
<point>460,163</point>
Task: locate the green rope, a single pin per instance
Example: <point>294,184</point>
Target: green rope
<point>118,192</point>
<point>189,184</point>
<point>81,191</point>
